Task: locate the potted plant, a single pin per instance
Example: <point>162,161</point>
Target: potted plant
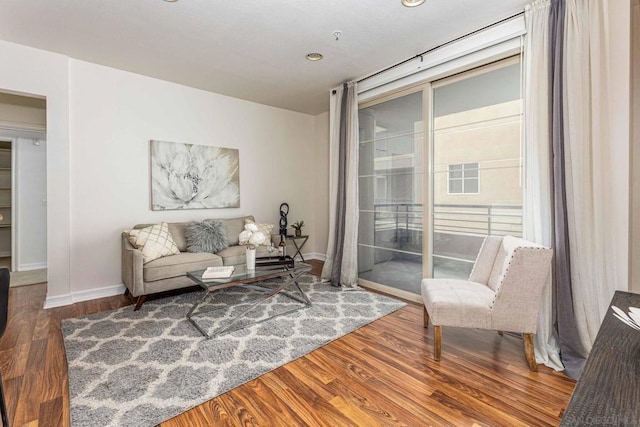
<point>298,227</point>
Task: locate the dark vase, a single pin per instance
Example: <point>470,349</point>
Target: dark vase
<point>298,232</point>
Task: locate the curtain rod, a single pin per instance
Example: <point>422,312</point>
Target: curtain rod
<point>391,67</point>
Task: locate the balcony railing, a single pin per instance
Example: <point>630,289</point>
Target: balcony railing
<point>458,228</point>
<point>479,220</point>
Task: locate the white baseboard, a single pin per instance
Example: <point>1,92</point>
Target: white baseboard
<point>5,254</point>
<point>58,301</point>
<point>32,266</point>
<point>107,291</point>
<point>315,255</point>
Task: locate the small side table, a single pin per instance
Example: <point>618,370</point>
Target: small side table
<point>299,247</point>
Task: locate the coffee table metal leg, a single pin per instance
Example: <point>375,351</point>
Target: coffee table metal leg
<point>293,279</point>
<point>193,308</point>
<point>305,300</point>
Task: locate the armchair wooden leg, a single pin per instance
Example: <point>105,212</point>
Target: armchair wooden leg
<point>126,292</point>
<point>139,302</point>
<point>437,342</point>
<point>529,353</point>
<point>426,317</point>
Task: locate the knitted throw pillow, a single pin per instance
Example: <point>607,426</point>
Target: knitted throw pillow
<point>206,236</point>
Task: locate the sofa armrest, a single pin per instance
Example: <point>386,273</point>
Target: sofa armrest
<point>132,268</point>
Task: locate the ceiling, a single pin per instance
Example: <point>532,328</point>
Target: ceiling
<point>250,49</point>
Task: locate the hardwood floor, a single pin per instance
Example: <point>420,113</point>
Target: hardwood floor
<point>381,374</point>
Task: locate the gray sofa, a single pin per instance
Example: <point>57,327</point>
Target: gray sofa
<point>169,273</point>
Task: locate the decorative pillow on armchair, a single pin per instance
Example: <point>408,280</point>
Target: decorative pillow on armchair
<point>206,236</point>
<point>265,228</point>
<point>154,242</point>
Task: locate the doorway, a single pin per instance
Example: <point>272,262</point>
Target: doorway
<point>23,188</point>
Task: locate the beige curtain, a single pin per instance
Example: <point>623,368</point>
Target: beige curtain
<point>597,269</point>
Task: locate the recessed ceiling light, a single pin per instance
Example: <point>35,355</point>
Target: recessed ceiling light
<point>171,1</point>
<point>412,3</point>
<point>314,56</point>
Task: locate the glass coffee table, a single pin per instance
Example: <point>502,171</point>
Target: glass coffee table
<point>266,268</point>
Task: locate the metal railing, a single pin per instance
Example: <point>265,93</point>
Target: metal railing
<point>457,227</point>
<point>480,220</point>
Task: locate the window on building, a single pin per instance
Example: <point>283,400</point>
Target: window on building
<point>463,179</point>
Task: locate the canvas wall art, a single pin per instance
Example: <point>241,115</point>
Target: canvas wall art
<point>190,176</point>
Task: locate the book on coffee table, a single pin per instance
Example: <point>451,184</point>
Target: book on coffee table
<point>218,272</point>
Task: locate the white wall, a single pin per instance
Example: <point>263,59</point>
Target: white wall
<point>98,166</point>
<point>114,114</point>
<point>31,189</point>
<point>36,72</point>
<point>321,183</point>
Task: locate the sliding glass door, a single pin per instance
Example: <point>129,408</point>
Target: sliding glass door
<point>477,164</point>
<point>418,222</point>
<point>391,189</point>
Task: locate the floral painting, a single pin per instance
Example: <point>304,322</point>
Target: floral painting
<point>189,176</point>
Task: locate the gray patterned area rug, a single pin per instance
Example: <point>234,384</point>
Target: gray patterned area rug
<point>139,368</point>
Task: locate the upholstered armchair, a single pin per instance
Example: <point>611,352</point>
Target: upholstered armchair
<point>503,292</point>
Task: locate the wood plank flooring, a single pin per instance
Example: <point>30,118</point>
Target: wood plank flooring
<point>380,375</point>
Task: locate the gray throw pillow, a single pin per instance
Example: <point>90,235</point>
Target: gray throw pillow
<point>207,236</point>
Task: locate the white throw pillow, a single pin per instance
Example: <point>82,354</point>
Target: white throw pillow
<point>154,242</point>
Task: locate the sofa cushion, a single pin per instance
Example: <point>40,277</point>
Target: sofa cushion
<point>234,226</point>
<point>154,241</point>
<point>206,236</point>
<point>236,255</point>
<point>178,265</point>
<point>177,231</point>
